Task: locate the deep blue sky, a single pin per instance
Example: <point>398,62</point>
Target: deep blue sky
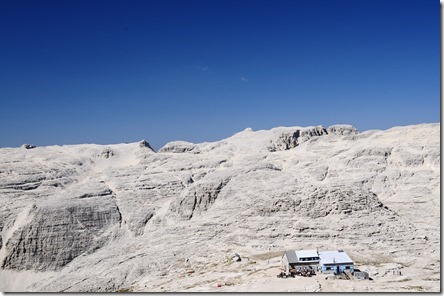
<point>121,71</point>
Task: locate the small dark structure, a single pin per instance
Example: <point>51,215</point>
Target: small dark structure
<point>236,257</point>
<point>361,275</point>
<point>28,146</point>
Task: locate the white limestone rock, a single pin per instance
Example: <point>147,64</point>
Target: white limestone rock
<point>116,217</point>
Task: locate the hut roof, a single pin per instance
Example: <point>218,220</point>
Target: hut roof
<point>307,254</point>
<point>291,256</point>
<point>334,257</point>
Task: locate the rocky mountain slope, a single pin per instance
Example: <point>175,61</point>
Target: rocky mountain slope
<point>123,217</point>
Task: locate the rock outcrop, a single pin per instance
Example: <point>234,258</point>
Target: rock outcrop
<point>342,129</point>
<point>292,139</point>
<point>180,147</point>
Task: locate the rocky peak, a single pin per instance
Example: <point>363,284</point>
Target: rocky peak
<point>145,144</point>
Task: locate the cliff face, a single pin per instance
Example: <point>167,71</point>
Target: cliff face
<point>57,232</point>
<point>118,216</point>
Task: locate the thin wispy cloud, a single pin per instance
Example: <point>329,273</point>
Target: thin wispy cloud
<point>201,68</point>
<point>243,78</point>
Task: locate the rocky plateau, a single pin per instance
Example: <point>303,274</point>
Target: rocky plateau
<point>122,217</point>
